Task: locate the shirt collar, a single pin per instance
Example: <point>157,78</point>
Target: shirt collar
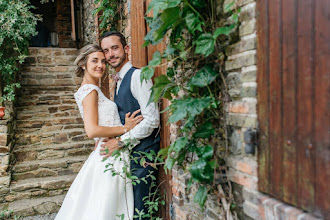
<point>124,69</point>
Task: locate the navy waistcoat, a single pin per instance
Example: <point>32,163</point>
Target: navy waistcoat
<point>127,103</point>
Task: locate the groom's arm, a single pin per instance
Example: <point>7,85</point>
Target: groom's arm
<point>150,113</point>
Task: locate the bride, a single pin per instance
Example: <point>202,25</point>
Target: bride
<point>96,194</point>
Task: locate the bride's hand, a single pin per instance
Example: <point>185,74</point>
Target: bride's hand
<point>131,121</point>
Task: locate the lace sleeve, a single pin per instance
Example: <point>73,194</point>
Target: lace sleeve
<point>82,93</point>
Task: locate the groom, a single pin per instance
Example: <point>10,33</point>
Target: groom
<point>131,95</point>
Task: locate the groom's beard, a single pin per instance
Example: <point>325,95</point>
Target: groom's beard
<point>121,60</point>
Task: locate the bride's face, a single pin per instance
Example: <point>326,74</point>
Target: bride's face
<point>96,64</point>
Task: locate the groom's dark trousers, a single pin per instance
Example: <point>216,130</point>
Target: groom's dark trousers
<point>127,103</point>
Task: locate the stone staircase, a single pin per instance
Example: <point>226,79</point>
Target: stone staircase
<point>51,144</point>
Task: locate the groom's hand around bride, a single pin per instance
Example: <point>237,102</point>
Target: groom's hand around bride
<point>108,147</point>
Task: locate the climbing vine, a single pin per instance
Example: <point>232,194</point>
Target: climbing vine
<point>197,37</point>
<point>108,13</point>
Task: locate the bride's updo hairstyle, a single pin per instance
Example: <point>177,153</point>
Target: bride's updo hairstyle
<point>82,57</point>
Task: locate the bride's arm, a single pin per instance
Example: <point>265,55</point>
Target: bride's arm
<point>90,106</point>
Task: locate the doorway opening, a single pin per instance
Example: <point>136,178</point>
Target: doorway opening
<point>57,27</point>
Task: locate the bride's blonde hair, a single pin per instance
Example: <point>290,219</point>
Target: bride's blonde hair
<point>82,57</point>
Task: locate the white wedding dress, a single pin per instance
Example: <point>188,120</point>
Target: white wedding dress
<point>95,194</point>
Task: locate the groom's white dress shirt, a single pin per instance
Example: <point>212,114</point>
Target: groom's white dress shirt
<point>141,92</point>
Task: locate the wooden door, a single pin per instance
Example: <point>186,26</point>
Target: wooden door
<point>293,102</point>
<point>140,57</point>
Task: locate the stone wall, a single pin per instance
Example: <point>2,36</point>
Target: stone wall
<point>7,127</point>
<point>89,25</point>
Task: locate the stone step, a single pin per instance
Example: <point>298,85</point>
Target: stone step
<point>51,89</point>
<point>51,112</point>
<point>47,112</point>
<point>46,82</point>
<point>54,60</point>
<point>45,183</point>
<point>55,128</point>
<point>48,108</point>
<point>53,136</point>
<point>52,151</point>
<point>51,51</point>
<point>55,132</point>
<point>48,121</point>
<point>28,69</point>
<point>36,206</point>
<point>44,168</point>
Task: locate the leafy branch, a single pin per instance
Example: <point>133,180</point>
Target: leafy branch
<point>17,27</point>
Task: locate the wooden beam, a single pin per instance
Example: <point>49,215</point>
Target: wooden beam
<point>73,25</point>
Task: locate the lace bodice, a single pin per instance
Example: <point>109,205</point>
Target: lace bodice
<point>107,109</point>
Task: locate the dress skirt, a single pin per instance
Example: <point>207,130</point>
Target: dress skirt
<point>98,195</point>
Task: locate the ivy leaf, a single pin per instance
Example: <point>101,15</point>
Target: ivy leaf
<point>155,25</point>
<point>162,83</point>
<point>162,153</point>
<point>193,23</point>
<point>200,196</point>
<point>228,7</point>
<point>205,44</point>
<point>146,73</point>
<point>204,131</point>
<point>169,163</point>
<point>178,145</point>
<point>170,72</point>
<point>189,123</point>
<point>158,5</point>
<point>201,171</point>
<point>149,20</point>
<point>223,30</point>
<point>206,152</point>
<point>180,108</point>
<point>176,32</point>
<point>168,18</point>
<point>156,59</point>
<point>198,3</point>
<point>169,51</point>
<point>203,77</point>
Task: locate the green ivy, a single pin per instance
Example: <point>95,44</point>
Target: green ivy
<point>193,83</point>
<point>17,24</point>
<point>108,14</point>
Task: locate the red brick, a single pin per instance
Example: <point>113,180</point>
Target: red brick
<point>238,107</point>
<point>248,168</point>
<point>243,179</point>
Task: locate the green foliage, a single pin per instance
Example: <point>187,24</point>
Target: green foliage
<point>108,14</point>
<point>6,214</point>
<point>17,24</point>
<point>154,200</point>
<point>200,196</point>
<point>193,83</point>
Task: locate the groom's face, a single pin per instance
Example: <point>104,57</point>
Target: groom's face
<point>115,53</point>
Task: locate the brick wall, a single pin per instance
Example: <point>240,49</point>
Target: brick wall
<point>64,25</point>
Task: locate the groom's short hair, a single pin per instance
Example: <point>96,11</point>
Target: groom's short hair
<point>115,33</point>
